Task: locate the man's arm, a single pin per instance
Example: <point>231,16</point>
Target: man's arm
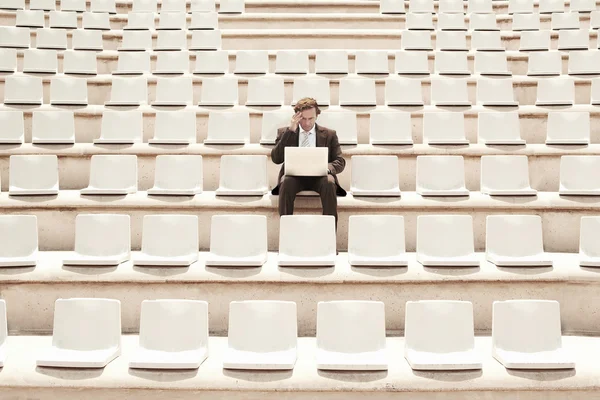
<point>283,137</point>
<point>338,163</point>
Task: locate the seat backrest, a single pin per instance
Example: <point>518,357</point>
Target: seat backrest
<point>450,21</point>
<point>490,63</point>
<point>172,19</point>
<point>251,62</point>
<point>403,91</point>
<point>504,172</point>
<point>451,7</point>
<point>482,22</point>
<point>121,125</point>
<point>212,62</point>
<point>229,125</point>
<point>181,171</point>
<point>568,125</point>
<point>307,235</point>
<point>551,6</point>
<point>544,63</point>
<point>376,235</point>
<point>357,91</point>
<point>451,40</point>
<point>206,40</point>
<point>26,89</point>
<point>315,87</point>
<point>520,6</point>
<point>149,6</point>
<point>13,127</point>
<point>584,62</point>
<point>68,90</point>
<point>140,20</point>
<point>443,126</point>
<point>129,90</point>
<point>331,61</point>
<point>170,235</point>
<point>238,235</point>
<point>243,172</point>
<point>177,90</point>
<point>416,40</point>
<point>85,39</point>
<point>219,91</point>
<point>136,40</point>
<point>53,126</point>
<point>588,237</point>
<point>33,172</point>
<point>35,60</point>
<point>3,323</point>
<point>273,120</point>
<point>371,61</point>
<point>375,173</point>
<point>498,126</point>
<point>172,40</point>
<point>595,95</point>
<point>493,91</point>
<point>565,20</point>
<point>265,91</point>
<point>421,6</point>
<point>419,21</point>
<point>449,91</point>
<point>113,229</point>
<point>204,20</point>
<point>451,62</point>
<point>514,235</point>
<point>580,172</point>
<point>390,127</point>
<point>411,62</point>
<point>108,171</point>
<point>202,6</point>
<point>8,60</point>
<point>18,236</point>
<point>480,7</point>
<point>555,91</point>
<point>525,22</point>
<point>173,6</point>
<point>440,172</point>
<point>179,124</point>
<point>173,61</point>
<point>445,235</point>
<point>486,40</point>
<point>343,122</point>
<point>291,61</point>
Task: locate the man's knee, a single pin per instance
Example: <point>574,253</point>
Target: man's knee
<point>330,183</point>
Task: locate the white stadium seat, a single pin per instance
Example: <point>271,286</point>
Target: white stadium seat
<point>595,95</point>
<point>451,6</point>
<point>451,41</point>
<point>262,335</point>
<point>580,175</point>
<point>411,63</point>
<point>483,22</point>
<point>419,21</point>
<point>451,22</point>
<point>222,91</point>
<point>62,20</point>
<point>172,63</point>
<point>18,240</point>
<point>390,127</point>
<point>451,63</point>
<point>307,241</point>
<point>149,6</point>
<point>206,40</point>
<point>171,20</point>
<point>491,63</point>
<point>204,20</point>
<point>505,175</point>
<point>174,91</point>
<point>73,5</point>
<point>444,128</point>
<point>228,127</point>
<point>251,62</point>
<point>120,127</point>
<point>595,19</point>
<point>8,60</point>
<point>92,20</point>
<point>371,62</point>
<point>100,239</point>
<point>357,92</point>
<point>589,249</point>
<point>168,240</point>
<point>12,4</point>
<point>23,90</point>
<point>449,92</point>
<point>416,40</point>
<point>486,41</point>
<point>212,62</point>
<point>499,128</point>
<point>392,7</point>
<point>515,241</point>
<point>172,6</point>
<point>40,61</point>
<point>440,336</point>
<point>237,241</point>
<point>565,20</point>
<point>526,334</point>
<point>174,127</point>
<point>331,62</point>
<point>351,336</point>
<point>136,41</point>
<point>582,6</point>
<point>555,92</point>
<point>520,7</point>
<point>375,176</point>
<point>13,127</point>
<point>138,20</point>
<point>578,39</point>
<point>535,40</point>
<point>55,39</point>
<point>526,22</point>
<point>446,241</point>
<point>495,92</point>
<point>128,91</point>
<point>173,335</point>
<point>243,175</point>
<point>265,91</point>
<point>551,6</point>
<point>87,334</point>
<point>311,86</point>
<point>291,62</point>
<point>202,6</point>
<point>87,40</point>
<point>271,121</point>
<point>568,127</point>
<point>112,175</point>
<point>376,240</point>
<point>133,63</point>
<point>584,62</point>
<point>177,175</point>
<point>53,127</point>
<point>480,7</point>
<point>30,18</point>
<point>403,92</point>
<point>231,7</point>
<point>46,5</point>
<point>441,176</point>
<point>14,37</point>
<point>106,6</point>
<point>3,332</point>
<point>33,175</point>
<point>421,6</point>
<point>173,40</point>
<point>343,122</point>
<point>544,63</point>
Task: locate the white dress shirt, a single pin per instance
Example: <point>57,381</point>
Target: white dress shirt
<point>312,136</point>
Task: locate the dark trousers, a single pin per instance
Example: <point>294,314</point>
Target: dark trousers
<point>324,185</point>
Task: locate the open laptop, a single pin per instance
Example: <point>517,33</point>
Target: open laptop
<point>305,161</point>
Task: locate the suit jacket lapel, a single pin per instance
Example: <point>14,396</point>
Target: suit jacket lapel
<point>295,137</point>
<point>321,139</point>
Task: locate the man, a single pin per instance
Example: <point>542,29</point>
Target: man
<point>304,132</point>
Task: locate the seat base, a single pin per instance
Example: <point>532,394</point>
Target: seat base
<point>281,360</point>
<point>294,261</point>
<point>459,360</point>
<point>153,359</point>
<point>32,192</point>
<point>102,192</point>
<point>178,261</point>
<point>557,359</point>
<point>463,261</point>
<point>502,192</point>
<point>213,260</point>
<point>18,261</point>
<point>537,260</point>
<point>84,260</point>
<point>173,192</point>
<point>371,361</point>
<point>399,260</point>
<point>61,358</point>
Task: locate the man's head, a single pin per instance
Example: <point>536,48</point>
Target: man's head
<point>309,110</point>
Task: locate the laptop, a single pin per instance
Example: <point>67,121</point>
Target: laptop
<point>305,161</point>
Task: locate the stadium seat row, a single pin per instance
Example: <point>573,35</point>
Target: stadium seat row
<point>110,6</point>
<point>484,6</point>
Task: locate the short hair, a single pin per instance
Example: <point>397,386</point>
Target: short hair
<point>306,104</point>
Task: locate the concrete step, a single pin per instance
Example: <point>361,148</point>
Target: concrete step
<point>211,381</point>
<point>30,292</point>
<point>56,214</point>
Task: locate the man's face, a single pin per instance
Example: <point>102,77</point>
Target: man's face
<point>308,120</point>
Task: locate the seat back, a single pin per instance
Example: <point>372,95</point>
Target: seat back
<point>18,236</point>
<point>445,235</point>
<point>307,235</point>
<point>170,235</point>
<point>514,235</point>
<point>376,235</point>
<point>238,235</point>
<point>102,235</point>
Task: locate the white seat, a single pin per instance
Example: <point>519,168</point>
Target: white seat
<point>100,239</point>
<point>486,41</point>
<point>451,41</point>
<point>30,18</point>
<point>495,92</point>
<point>46,5</point>
<point>262,335</point>
<point>589,251</point>
<point>174,127</point>
<point>535,40</point>
<point>14,37</point>
<point>505,175</point>
<point>173,335</point>
<point>480,7</point>
<point>237,241</point>
<point>87,40</point>
<point>416,40</point>
<point>582,6</point>
<point>451,22</point>
<point>371,62</point>
<point>595,95</point>
<point>62,20</point>
<point>491,63</point>
<point>526,334</point>
<point>564,20</point>
<point>53,127</point>
<point>138,20</point>
<point>515,241</point>
<point>499,128</point>
<point>231,7</point>
<point>206,40</point>
<point>55,39</point>
<point>579,175</point>
<point>566,127</point>
<point>403,92</point>
<point>112,175</point>
<point>375,176</point>
<point>444,128</point>
<point>175,91</point>
<point>357,91</point>
<point>584,62</point>
<point>520,6</point>
<point>376,240</point>
<point>13,127</point>
<point>451,6</point>
<point>451,63</point>
<point>251,62</point>
<point>526,22</point>
<point>441,176</point>
<point>555,92</point>
<point>172,63</point>
<point>40,61</point>
<point>79,63</point>
<point>177,175</point>
<point>449,92</point>
<point>222,91</point>
<point>421,6</point>
<point>133,63</point>
<point>202,6</point>
<point>8,60</point>
<point>445,241</point>
<point>483,22</point>
<point>128,91</point>
<point>544,63</point>
<point>105,6</point>
<point>173,6</point>
<point>265,91</point>
<point>18,242</point>
<point>3,332</point>
<point>120,127</point>
<point>87,334</point>
<point>578,39</point>
<point>390,127</point>
<point>440,336</point>
<point>307,240</point>
<point>291,62</point>
<point>23,90</point>
<point>136,41</point>
<point>392,7</point>
<point>331,62</point>
<point>351,336</point>
<point>551,6</point>
<point>171,20</point>
<point>311,86</point>
<point>244,175</point>
<point>228,127</point>
<point>595,19</point>
<point>73,5</point>
<point>411,62</point>
<point>12,4</point>
<point>212,62</point>
<point>149,6</point>
<point>33,175</point>
<point>94,20</point>
<point>419,21</point>
<point>168,241</point>
<point>204,20</point>
<point>173,40</point>
<point>343,122</point>
<point>271,121</point>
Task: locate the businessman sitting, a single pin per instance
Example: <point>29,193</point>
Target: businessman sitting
<point>304,132</point>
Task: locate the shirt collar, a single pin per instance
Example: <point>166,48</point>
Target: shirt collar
<point>313,130</point>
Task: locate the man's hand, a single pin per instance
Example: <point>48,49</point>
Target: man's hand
<point>295,121</point>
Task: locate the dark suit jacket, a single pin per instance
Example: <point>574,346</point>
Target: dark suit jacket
<point>325,138</point>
